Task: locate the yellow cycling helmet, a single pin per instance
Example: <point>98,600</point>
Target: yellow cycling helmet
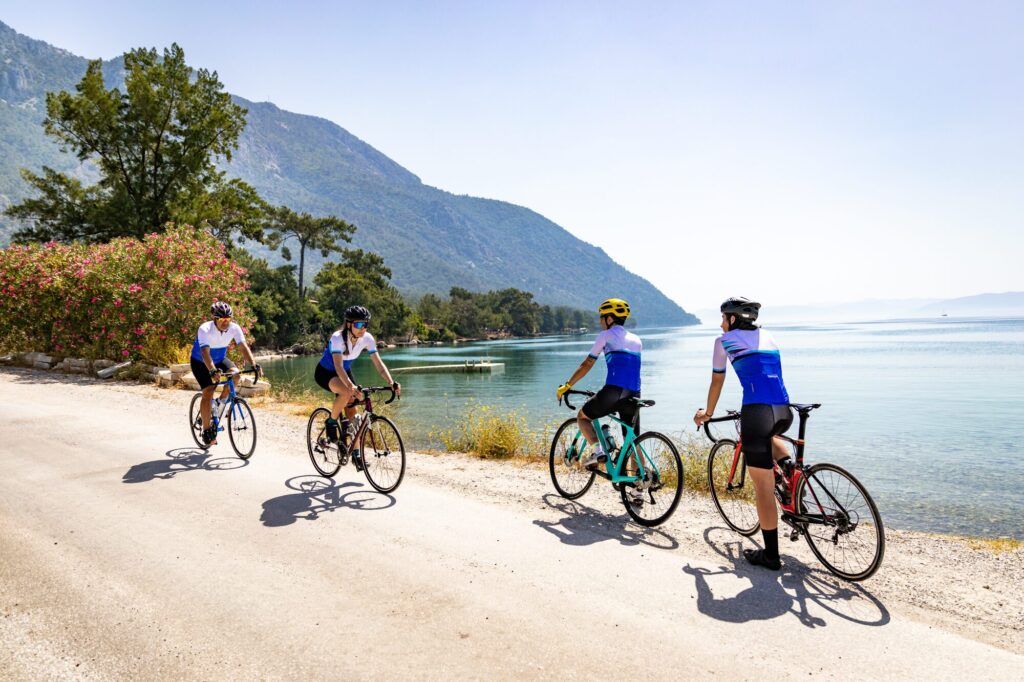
<point>614,306</point>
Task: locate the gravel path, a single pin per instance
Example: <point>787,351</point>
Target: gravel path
<point>126,553</point>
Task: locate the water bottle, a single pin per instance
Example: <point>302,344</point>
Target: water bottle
<point>609,439</point>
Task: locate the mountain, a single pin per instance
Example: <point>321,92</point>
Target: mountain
<point>431,239</point>
<point>1008,304</point>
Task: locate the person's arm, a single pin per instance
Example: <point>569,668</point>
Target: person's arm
<point>339,369</point>
<point>208,360</point>
<point>714,393</point>
<point>385,374</point>
<point>719,361</point>
<point>585,366</point>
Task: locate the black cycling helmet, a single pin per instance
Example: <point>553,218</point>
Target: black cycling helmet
<point>742,308</point>
<point>357,312</point>
<point>220,309</point>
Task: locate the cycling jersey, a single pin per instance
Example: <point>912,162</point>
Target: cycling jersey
<point>622,354</point>
<point>336,344</point>
<point>216,340</point>
<point>755,357</point>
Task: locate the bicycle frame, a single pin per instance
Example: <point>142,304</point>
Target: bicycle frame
<point>367,403</point>
<point>790,514</point>
<point>232,404</point>
<point>615,473</point>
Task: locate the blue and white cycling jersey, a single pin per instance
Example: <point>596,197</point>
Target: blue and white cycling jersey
<point>755,357</point>
<point>622,354</point>
<point>216,340</point>
<point>336,344</point>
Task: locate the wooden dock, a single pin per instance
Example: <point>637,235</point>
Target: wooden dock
<point>469,366</point>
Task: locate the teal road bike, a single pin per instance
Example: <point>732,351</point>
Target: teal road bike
<point>649,463</point>
<point>235,416</point>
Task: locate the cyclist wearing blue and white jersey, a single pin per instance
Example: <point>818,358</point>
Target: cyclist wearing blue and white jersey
<point>334,371</point>
<point>754,355</point>
<point>210,357</point>
<point>622,351</point>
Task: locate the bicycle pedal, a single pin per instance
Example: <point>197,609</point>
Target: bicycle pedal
<point>794,535</point>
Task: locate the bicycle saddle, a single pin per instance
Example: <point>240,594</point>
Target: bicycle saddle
<point>805,408</point>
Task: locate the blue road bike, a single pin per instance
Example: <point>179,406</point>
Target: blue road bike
<point>648,463</point>
<point>235,417</point>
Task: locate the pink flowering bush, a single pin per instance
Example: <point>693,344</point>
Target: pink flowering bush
<point>128,299</point>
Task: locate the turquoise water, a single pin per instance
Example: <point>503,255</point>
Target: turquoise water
<point>928,414</point>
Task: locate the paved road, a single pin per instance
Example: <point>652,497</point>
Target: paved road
<point>125,552</point>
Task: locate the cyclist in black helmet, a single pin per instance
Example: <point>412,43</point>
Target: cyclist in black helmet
<point>210,357</point>
<point>333,373</point>
<point>765,413</point>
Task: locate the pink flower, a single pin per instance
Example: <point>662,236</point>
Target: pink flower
<point>124,353</point>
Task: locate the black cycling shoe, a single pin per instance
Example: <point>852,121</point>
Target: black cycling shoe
<point>357,459</point>
<point>758,557</point>
<point>332,430</point>
<point>209,435</point>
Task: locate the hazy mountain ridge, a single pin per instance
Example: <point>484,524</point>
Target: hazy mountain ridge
<point>432,239</point>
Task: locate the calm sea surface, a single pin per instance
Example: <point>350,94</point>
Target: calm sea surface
<point>929,415</point>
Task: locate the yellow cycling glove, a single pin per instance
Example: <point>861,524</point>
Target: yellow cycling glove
<point>562,390</point>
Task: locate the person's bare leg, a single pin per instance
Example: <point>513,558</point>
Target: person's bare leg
<point>586,427</point>
<point>764,492</point>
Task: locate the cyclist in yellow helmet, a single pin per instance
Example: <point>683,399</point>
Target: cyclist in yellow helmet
<point>622,354</point>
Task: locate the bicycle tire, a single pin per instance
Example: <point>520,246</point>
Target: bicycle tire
<point>660,498</point>
<point>195,421</point>
<point>319,448</point>
<point>239,428</point>
<point>836,500</point>
<point>577,479</point>
<point>378,460</point>
<point>735,505</point>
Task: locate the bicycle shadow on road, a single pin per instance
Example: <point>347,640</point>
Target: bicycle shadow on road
<point>317,495</point>
<point>177,461</point>
<point>771,594</point>
<point>583,525</point>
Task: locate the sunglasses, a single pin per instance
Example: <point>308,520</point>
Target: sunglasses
<point>224,318</point>
<point>361,324</point>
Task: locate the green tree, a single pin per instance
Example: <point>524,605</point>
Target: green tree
<point>323,234</point>
<point>362,278</point>
<point>156,146</point>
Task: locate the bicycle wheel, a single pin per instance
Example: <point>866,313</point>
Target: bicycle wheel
<point>843,528</point>
<point>324,454</point>
<point>663,479</point>
<point>242,428</point>
<point>195,421</point>
<point>732,490</point>
<point>568,449</point>
<point>383,454</point>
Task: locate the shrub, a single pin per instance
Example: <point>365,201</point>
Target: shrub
<point>491,431</point>
<point>127,299</point>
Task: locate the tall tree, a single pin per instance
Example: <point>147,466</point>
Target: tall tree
<point>156,146</point>
<point>323,234</point>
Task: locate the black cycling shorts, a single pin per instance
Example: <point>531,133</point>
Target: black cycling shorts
<point>758,423</point>
<point>202,374</point>
<point>614,399</point>
<point>323,377</point>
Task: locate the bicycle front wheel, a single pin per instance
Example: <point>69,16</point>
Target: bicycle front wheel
<point>195,420</point>
<point>842,523</point>
<point>662,482</point>
<point>732,490</point>
<point>568,449</point>
<point>324,454</point>
<point>242,429</point>
<point>383,454</point>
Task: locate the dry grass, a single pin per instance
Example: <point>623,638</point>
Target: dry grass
<point>488,431</point>
<point>995,545</point>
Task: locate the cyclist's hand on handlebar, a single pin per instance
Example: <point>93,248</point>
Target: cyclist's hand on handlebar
<point>562,390</point>
<point>397,388</point>
<point>701,417</point>
<point>259,371</point>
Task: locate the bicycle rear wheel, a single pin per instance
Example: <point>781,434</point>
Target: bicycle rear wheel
<point>732,490</point>
<point>195,421</point>
<point>568,447</point>
<point>663,479</point>
<point>242,428</point>
<point>382,454</point>
<point>325,455</point>
<point>843,526</point>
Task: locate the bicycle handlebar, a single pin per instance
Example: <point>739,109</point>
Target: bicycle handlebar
<point>367,390</point>
<point>731,416</point>
<point>565,397</point>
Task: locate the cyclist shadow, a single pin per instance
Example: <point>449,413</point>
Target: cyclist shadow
<point>791,591</point>
<point>584,525</point>
<point>177,461</point>
<point>317,495</point>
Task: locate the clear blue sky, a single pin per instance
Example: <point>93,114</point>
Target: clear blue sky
<point>843,150</point>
